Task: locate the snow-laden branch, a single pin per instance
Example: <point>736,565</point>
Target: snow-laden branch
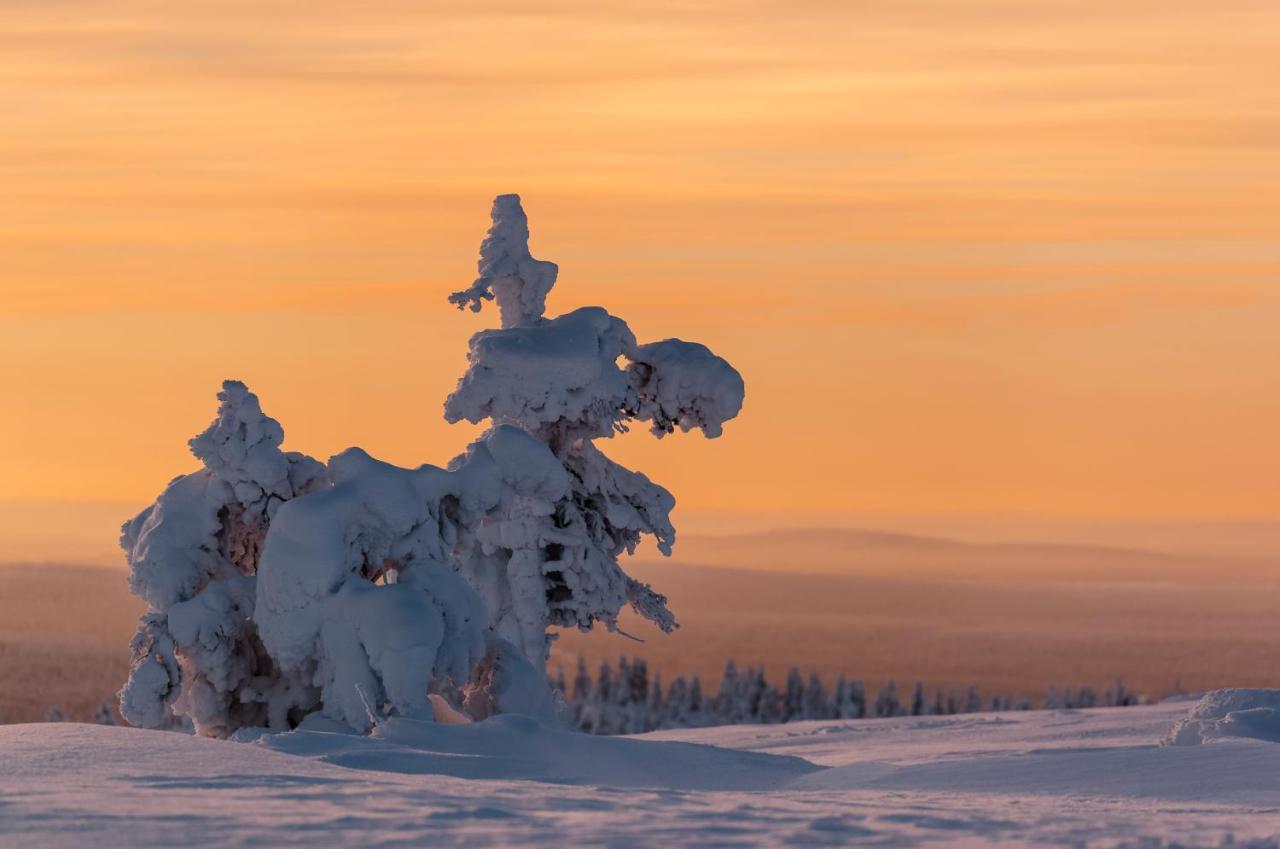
<point>559,373</point>
<point>682,384</point>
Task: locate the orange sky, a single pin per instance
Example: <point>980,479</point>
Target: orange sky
<point>992,255</point>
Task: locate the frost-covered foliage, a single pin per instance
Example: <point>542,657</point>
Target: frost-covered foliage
<point>194,556</point>
<point>362,592</point>
<point>278,586</point>
<point>356,592</point>
<point>567,381</point>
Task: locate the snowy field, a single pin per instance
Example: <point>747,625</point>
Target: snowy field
<point>1087,778</point>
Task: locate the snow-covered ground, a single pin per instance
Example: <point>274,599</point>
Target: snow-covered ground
<point>1064,778</point>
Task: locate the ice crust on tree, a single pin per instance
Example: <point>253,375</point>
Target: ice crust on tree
<point>280,587</point>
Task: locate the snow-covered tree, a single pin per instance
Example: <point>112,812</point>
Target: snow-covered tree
<point>559,684</point>
<point>793,697</point>
<point>104,714</point>
<point>581,694</point>
<point>729,707</point>
<point>771,708</point>
<point>816,704</point>
<point>655,707</point>
<point>676,708</point>
<point>887,702</point>
<point>746,696</point>
<point>851,699</point>
<point>917,700</point>
<point>696,713</point>
<point>555,562</point>
<point>858,698</point>
<point>757,696</point>
<point>278,586</point>
<point>194,556</point>
<point>598,713</point>
<point>1121,696</point>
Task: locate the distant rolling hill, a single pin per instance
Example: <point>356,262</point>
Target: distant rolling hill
<point>1009,618</point>
<point>877,553</point>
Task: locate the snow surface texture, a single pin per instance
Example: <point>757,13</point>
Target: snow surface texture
<point>1228,714</point>
<point>279,586</point>
<point>1092,778</point>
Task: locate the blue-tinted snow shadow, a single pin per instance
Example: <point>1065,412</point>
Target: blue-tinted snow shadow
<point>513,747</point>
<point>230,781</point>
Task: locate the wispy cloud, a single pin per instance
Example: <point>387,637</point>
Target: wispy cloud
<point>957,203</point>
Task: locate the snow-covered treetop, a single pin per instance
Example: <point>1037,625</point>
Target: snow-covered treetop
<point>508,272</point>
<point>567,381</point>
<point>242,448</point>
<point>560,377</point>
<point>211,521</point>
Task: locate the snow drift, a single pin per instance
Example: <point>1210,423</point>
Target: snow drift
<point>513,747</point>
<point>1230,714</point>
<point>1080,778</point>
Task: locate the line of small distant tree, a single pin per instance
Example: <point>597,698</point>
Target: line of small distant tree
<point>628,699</point>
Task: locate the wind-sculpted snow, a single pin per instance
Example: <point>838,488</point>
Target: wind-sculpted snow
<point>521,748</point>
<point>1230,714</point>
<point>280,587</point>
